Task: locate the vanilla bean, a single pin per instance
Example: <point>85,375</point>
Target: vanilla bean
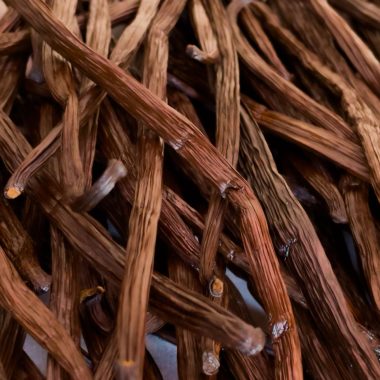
<point>364,231</point>
<point>209,47</point>
<point>20,249</point>
<point>60,79</point>
<point>317,175</point>
<point>257,34</point>
<point>340,151</point>
<point>64,297</point>
<point>101,188</point>
<point>227,130</point>
<point>29,311</point>
<point>189,352</point>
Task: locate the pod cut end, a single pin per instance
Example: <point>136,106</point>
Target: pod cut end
<point>12,192</point>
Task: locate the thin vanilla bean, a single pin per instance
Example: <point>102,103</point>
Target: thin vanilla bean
<point>101,188</point>
<point>227,131</point>
<point>39,321</point>
<point>256,33</point>
<point>340,151</point>
<point>318,176</point>
<point>60,79</point>
<point>20,249</point>
<point>189,353</point>
<point>209,47</point>
<point>364,231</point>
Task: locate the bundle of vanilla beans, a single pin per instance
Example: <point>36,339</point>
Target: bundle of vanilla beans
<point>150,148</point>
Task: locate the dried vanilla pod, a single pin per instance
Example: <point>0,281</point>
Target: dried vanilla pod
<point>121,126</point>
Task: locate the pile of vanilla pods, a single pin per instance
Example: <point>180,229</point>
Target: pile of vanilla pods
<point>152,152</point>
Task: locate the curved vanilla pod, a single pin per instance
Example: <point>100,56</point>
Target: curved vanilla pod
<point>101,188</point>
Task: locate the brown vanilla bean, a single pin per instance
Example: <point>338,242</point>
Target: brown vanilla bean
<point>189,352</point>
<point>20,248</point>
<point>364,231</point>
<point>201,155</point>
<point>227,130</point>
<point>64,297</point>
<point>303,253</point>
<point>340,151</point>
<point>244,337</point>
<point>98,37</point>
<point>356,50</point>
<point>209,47</point>
<point>14,42</point>
<point>298,99</point>
<point>39,321</point>
<point>257,34</point>
<point>60,79</point>
<point>317,175</point>
<point>102,187</point>
<point>147,204</point>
